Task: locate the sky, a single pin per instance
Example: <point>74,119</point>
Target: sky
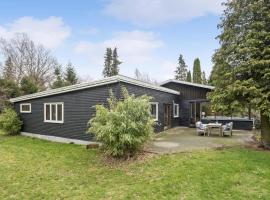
<point>149,34</point>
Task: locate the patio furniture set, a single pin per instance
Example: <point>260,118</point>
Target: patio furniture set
<point>206,129</point>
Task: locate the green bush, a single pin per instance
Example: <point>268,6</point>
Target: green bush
<point>124,126</point>
<point>10,122</point>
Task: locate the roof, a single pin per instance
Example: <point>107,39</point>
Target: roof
<point>105,81</point>
<point>188,83</point>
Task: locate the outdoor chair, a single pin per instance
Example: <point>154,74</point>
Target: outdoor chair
<point>201,128</point>
<point>227,129</point>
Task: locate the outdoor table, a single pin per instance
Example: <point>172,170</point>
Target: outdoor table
<point>214,125</point>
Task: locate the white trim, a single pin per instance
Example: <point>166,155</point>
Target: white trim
<point>56,114</point>
<point>58,139</point>
<point>188,83</point>
<point>175,104</point>
<point>25,104</point>
<point>155,103</point>
<point>105,81</point>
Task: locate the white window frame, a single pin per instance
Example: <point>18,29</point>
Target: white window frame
<point>25,104</point>
<point>177,105</point>
<point>56,114</point>
<point>155,103</point>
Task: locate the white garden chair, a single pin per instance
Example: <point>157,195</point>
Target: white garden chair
<point>201,128</point>
<point>227,129</point>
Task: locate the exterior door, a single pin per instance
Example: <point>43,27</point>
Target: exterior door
<point>167,116</point>
<point>194,113</point>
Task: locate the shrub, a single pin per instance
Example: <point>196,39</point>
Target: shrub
<point>124,126</point>
<point>10,122</point>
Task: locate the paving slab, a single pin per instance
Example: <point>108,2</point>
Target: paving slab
<point>182,139</point>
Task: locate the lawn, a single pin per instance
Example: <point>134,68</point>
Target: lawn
<point>35,169</point>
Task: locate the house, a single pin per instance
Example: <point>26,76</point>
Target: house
<point>63,113</point>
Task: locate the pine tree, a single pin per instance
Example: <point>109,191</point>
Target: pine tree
<point>204,80</point>
<point>59,82</point>
<point>241,70</point>
<point>115,63</point>
<point>197,74</point>
<point>181,70</point>
<point>189,78</point>
<point>107,63</point>
<point>28,86</point>
<point>8,70</point>
<point>70,75</point>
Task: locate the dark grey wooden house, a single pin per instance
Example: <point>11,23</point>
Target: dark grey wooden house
<point>63,113</point>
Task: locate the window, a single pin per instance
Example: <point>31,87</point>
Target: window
<point>54,112</point>
<point>175,110</point>
<point>25,108</point>
<point>154,110</point>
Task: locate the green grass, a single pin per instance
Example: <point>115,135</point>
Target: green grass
<point>35,169</point>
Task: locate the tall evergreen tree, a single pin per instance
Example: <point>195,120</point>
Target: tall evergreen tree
<point>181,70</point>
<point>189,78</point>
<point>8,70</point>
<point>197,73</point>
<point>59,80</point>
<point>28,86</point>
<point>71,77</point>
<point>204,80</point>
<point>241,70</point>
<point>107,63</point>
<point>115,63</point>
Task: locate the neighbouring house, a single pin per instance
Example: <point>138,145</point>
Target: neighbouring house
<point>65,112</point>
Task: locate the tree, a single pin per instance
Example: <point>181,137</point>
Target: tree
<point>144,77</point>
<point>204,80</point>
<point>197,74</point>
<point>28,86</point>
<point>115,63</point>
<point>107,63</point>
<point>8,89</point>
<point>189,78</point>
<point>241,70</point>
<point>28,59</point>
<point>59,80</point>
<point>70,75</point>
<point>124,126</point>
<point>181,70</point>
<point>8,70</point>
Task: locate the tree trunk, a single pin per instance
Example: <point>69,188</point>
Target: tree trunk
<point>265,130</point>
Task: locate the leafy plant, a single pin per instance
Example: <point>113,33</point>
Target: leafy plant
<point>10,122</point>
<point>124,126</point>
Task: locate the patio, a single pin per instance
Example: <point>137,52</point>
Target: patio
<point>182,139</point>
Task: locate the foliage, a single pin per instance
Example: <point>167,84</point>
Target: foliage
<point>28,59</point>
<point>32,163</point>
<point>241,65</point>
<point>124,126</point>
<point>10,122</point>
<point>8,70</point>
<point>181,70</point>
<point>204,80</point>
<point>59,81</point>
<point>28,86</point>
<point>197,74</point>
<point>70,75</point>
<point>111,63</point>
<point>144,77</point>
<point>189,78</point>
<point>8,89</point>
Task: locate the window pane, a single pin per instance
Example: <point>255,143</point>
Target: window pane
<point>53,112</point>
<point>175,109</point>
<point>48,112</point>
<point>59,112</point>
<point>153,110</point>
<point>25,107</point>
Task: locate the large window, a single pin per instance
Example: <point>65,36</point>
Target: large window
<point>154,110</point>
<point>25,108</point>
<point>175,110</point>
<point>54,112</point>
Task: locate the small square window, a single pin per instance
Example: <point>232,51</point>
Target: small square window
<point>25,108</point>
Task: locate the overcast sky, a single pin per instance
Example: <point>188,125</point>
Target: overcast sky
<point>150,34</point>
